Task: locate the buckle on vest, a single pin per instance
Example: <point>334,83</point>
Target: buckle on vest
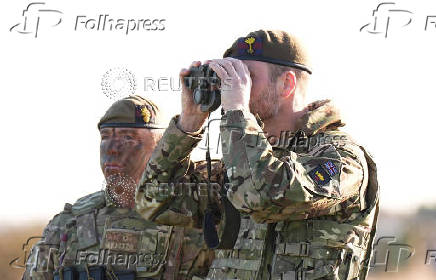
<point>304,249</point>
<point>300,249</point>
<point>299,274</point>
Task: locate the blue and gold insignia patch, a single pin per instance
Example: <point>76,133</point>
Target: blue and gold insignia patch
<point>249,46</point>
<point>331,168</point>
<point>142,114</point>
<point>320,176</point>
<point>145,113</point>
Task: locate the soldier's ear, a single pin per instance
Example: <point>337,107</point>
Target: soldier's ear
<point>288,83</point>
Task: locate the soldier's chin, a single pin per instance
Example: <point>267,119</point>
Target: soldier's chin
<point>111,171</point>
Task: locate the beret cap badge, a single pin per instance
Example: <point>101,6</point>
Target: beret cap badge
<point>249,46</point>
<point>145,113</point>
<point>250,41</point>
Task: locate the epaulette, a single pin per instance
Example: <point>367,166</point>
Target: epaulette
<point>88,203</point>
<point>67,208</point>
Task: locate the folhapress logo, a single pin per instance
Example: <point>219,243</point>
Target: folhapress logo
<point>36,16</point>
<point>125,25</point>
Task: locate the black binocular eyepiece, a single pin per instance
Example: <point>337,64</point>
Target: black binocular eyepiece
<point>205,85</point>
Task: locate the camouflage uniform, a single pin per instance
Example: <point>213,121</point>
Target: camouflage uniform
<point>309,206</point>
<point>85,232</point>
<point>96,232</point>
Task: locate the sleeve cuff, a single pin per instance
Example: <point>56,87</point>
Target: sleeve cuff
<point>198,133</point>
<point>241,116</point>
<point>177,143</point>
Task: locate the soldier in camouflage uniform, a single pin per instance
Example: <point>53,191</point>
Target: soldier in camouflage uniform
<point>101,236</point>
<point>308,197</point>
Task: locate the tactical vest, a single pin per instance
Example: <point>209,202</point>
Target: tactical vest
<point>316,248</point>
<point>120,239</point>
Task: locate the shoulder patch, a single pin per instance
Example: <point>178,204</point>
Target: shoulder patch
<point>319,176</point>
<point>331,168</point>
<point>67,208</point>
<point>87,203</point>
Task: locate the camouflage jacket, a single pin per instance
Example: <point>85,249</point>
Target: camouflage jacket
<point>95,232</point>
<point>309,203</point>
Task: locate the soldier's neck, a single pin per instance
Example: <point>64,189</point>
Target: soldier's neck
<point>285,120</point>
<point>125,202</point>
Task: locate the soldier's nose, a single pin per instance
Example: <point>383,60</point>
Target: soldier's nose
<point>113,147</point>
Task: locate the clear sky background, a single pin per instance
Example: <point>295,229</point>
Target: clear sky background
<point>51,97</point>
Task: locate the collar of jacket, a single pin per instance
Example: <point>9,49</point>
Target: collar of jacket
<point>321,115</point>
<point>109,201</point>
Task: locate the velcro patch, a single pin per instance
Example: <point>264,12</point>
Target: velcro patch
<point>331,168</point>
<point>320,176</point>
<point>121,240</point>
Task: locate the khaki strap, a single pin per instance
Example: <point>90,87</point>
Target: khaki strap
<point>303,249</point>
<point>293,249</point>
<point>249,244</point>
<point>293,275</point>
<point>110,273</point>
<point>61,273</point>
<point>252,265</point>
<point>88,275</point>
<point>172,267</point>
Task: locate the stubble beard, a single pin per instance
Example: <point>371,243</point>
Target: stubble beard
<point>267,104</point>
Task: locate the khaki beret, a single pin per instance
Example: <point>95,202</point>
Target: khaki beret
<point>133,111</point>
<point>276,47</point>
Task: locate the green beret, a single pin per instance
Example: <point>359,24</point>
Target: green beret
<point>133,111</point>
<point>277,47</point>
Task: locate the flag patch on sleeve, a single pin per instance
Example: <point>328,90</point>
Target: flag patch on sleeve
<point>331,168</point>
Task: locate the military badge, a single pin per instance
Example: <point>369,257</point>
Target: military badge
<point>320,176</point>
<point>142,114</point>
<point>249,46</point>
<point>145,113</point>
<point>331,168</point>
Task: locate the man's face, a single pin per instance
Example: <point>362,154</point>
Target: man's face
<point>125,151</point>
<point>264,98</point>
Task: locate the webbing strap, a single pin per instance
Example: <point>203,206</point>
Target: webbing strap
<point>252,265</point>
<point>293,275</point>
<point>230,228</point>
<point>249,244</point>
<point>175,254</point>
<point>294,249</point>
<point>232,217</point>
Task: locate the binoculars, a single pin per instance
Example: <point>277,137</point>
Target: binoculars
<point>205,85</point>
